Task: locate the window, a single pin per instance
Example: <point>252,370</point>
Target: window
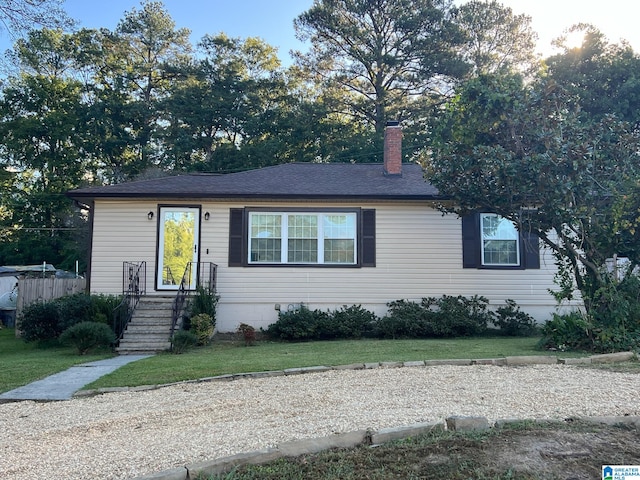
<point>337,237</point>
<point>492,242</point>
<point>302,238</point>
<point>499,241</point>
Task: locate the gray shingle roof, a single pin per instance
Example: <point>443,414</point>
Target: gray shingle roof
<point>291,181</point>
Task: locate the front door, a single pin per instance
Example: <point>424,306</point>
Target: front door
<point>179,232</point>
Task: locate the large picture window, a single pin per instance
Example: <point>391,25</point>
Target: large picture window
<point>302,238</point>
<point>305,237</point>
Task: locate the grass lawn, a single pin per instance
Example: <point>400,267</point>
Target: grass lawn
<point>21,363</point>
<point>230,357</point>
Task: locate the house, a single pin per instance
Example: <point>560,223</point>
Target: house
<point>322,235</point>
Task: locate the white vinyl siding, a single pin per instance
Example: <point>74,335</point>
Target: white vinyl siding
<point>418,254</point>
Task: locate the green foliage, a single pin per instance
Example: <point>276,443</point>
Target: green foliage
<point>447,316</point>
<point>496,39</point>
<point>612,324</point>
<point>348,322</point>
<point>204,301</point>
<point>513,321</point>
<point>183,341</point>
<point>444,317</point>
<point>40,321</point>
<point>46,321</point>
<point>202,326</point>
<point>569,331</point>
<point>87,336</point>
<point>527,152</point>
<point>300,324</point>
<point>351,54</point>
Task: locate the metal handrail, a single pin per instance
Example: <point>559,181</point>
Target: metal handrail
<point>205,277</point>
<point>134,281</point>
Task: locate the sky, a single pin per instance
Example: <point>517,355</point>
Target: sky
<point>272,20</point>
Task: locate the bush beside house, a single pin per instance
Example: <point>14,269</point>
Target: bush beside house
<point>45,322</point>
<point>444,317</point>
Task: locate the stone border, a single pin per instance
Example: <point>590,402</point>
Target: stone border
<point>367,437</point>
<point>355,439</point>
<point>501,361</point>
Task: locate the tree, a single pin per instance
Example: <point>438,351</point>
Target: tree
<point>604,77</point>
<point>136,71</point>
<point>527,153</point>
<point>43,140</point>
<point>20,16</point>
<point>230,98</point>
<point>385,57</point>
<point>41,137</point>
<point>495,38</point>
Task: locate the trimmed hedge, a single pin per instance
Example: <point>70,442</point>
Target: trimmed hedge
<point>443,317</point>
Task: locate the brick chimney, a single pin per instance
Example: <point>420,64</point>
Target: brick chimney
<point>393,149</point>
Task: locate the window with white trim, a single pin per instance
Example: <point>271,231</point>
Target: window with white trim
<point>324,238</point>
<point>500,241</point>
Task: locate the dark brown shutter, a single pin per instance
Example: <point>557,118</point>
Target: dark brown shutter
<point>236,237</point>
<point>531,249</point>
<point>368,237</point>
<point>471,245</point>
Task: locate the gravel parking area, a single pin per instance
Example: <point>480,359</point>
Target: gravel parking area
<point>129,434</point>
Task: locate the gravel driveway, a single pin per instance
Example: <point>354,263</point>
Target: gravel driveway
<point>128,434</point>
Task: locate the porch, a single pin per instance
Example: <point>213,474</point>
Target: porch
<point>145,322</point>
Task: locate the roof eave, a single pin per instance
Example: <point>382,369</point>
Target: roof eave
<point>255,196</point>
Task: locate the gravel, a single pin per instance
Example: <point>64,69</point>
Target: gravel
<point>124,435</point>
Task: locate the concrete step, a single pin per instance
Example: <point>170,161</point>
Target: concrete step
<point>134,349</point>
<point>146,337</point>
<point>148,328</point>
<point>151,315</point>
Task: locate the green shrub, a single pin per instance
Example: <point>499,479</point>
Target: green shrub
<point>611,324</point>
<point>86,336</point>
<point>202,327</point>
<point>348,322</point>
<point>432,317</point>
<point>570,331</point>
<point>514,322</point>
<point>405,319</point>
<point>182,341</point>
<point>459,316</point>
<point>46,321</point>
<point>203,301</point>
<point>103,306</point>
<point>442,317</point>
<point>40,321</point>
<point>300,324</point>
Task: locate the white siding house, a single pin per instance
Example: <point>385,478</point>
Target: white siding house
<point>325,235</point>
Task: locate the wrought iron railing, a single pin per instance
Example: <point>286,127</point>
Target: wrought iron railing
<point>168,278</point>
<point>196,274</point>
<point>134,281</point>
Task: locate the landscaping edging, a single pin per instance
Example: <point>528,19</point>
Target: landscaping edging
<point>368,436</point>
<point>501,361</point>
<point>355,439</point>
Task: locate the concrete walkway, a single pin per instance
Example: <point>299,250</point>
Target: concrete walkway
<point>62,386</point>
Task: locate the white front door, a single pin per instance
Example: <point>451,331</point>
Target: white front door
<point>178,236</point>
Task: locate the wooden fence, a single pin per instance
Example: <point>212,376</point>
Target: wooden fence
<point>32,290</point>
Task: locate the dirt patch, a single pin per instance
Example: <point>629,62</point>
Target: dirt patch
<point>567,451</point>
